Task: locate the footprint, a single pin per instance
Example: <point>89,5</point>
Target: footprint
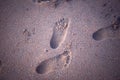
<point>53,2</point>
<point>41,2</point>
<point>58,62</point>
<point>110,32</point>
<point>28,33</point>
<point>59,33</point>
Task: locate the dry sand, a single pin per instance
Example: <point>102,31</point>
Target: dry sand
<point>59,40</point>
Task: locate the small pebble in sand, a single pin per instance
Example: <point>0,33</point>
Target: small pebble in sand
<point>115,27</point>
<point>45,50</point>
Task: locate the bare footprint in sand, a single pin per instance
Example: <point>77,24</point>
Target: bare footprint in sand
<point>59,33</point>
<point>110,32</point>
<point>58,62</point>
<point>51,2</point>
<point>41,2</point>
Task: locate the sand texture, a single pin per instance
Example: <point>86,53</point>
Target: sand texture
<point>59,39</point>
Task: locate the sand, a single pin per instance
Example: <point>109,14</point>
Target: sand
<point>59,40</point>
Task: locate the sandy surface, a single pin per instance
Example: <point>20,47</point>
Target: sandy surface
<point>60,40</point>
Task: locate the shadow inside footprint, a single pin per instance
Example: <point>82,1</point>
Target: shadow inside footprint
<point>110,32</point>
<point>59,33</point>
<point>58,62</point>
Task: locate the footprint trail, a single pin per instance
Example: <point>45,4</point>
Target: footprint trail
<point>58,62</point>
<point>110,32</point>
<point>59,32</point>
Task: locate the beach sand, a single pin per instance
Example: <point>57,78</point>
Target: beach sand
<point>59,40</point>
